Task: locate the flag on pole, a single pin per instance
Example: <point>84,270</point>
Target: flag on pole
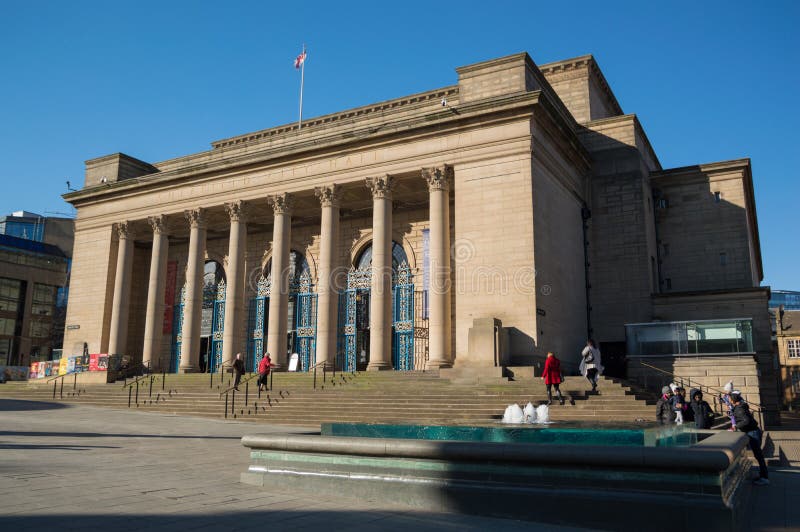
<point>300,59</point>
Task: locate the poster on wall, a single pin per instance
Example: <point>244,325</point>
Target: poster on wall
<point>71,364</point>
<point>63,363</point>
<point>34,370</point>
<point>98,362</point>
<point>93,362</point>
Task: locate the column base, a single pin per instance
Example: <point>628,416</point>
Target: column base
<point>438,364</point>
<point>189,369</point>
<point>379,366</point>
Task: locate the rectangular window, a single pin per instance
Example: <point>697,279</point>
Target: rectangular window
<point>668,282</point>
<point>796,381</point>
<point>723,259</point>
<point>717,197</point>
<point>666,250</point>
<point>7,326</point>
<point>793,348</point>
<point>40,328</point>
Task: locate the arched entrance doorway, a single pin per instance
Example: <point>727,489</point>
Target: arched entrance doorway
<point>354,309</point>
<point>302,314</point>
<point>211,323</point>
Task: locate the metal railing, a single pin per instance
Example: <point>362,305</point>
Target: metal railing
<point>151,377</point>
<point>231,392</point>
<point>716,393</point>
<point>221,374</point>
<point>55,380</point>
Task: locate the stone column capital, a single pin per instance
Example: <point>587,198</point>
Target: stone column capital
<point>124,230</point>
<point>381,187</point>
<point>237,210</point>
<point>438,177</point>
<point>196,217</point>
<point>281,203</point>
<point>329,196</point>
<point>159,224</point>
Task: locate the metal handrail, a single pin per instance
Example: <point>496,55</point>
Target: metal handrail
<point>717,393</point>
<point>221,371</point>
<point>232,392</point>
<point>55,384</point>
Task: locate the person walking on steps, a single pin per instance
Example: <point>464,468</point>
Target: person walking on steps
<point>238,371</point>
<point>746,423</point>
<point>552,377</point>
<point>590,363</point>
<point>264,368</point>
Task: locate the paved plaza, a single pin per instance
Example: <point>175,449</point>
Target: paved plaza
<point>80,467</point>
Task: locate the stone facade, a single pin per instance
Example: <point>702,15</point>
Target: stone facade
<point>787,335</point>
<point>548,220</point>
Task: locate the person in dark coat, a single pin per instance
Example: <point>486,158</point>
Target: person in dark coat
<point>665,415</point>
<point>552,377</point>
<point>238,371</point>
<point>701,410</point>
<point>746,423</point>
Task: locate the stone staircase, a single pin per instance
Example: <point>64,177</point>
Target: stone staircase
<point>412,397</point>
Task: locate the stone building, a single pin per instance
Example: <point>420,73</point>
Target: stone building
<point>787,336</point>
<point>477,225</point>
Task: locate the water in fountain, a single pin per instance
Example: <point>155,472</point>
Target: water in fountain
<point>529,414</point>
<point>513,414</point>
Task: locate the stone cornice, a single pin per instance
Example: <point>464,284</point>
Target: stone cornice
<point>332,119</point>
<point>691,170</point>
<point>502,108</point>
<point>589,62</point>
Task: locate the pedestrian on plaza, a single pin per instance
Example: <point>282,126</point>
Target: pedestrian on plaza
<point>746,423</point>
<point>726,400</point>
<point>665,415</point>
<point>678,404</point>
<point>590,363</point>
<point>552,377</point>
<point>264,367</point>
<point>703,415</point>
<point>238,371</point>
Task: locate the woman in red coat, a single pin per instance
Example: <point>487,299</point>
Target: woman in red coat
<point>552,377</point>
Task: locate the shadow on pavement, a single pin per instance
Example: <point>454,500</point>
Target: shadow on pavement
<point>11,405</point>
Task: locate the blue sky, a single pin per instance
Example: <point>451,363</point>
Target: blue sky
<point>709,80</point>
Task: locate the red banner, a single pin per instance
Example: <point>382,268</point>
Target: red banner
<point>169,295</point>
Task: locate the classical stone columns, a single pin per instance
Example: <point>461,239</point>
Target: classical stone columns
<point>380,309</point>
<point>232,340</point>
<point>277,328</point>
<point>327,302</point>
<point>193,304</point>
<point>439,324</point>
<point>118,335</point>
<point>154,321</point>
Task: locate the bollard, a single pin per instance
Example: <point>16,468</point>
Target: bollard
<point>226,405</point>
<point>130,391</point>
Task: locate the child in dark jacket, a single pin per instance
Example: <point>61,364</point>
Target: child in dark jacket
<point>701,410</point>
<point>665,414</point>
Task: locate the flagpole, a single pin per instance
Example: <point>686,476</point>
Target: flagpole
<point>302,78</point>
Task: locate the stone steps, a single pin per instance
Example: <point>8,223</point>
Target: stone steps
<point>365,397</point>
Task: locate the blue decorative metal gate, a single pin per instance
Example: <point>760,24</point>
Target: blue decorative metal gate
<point>358,280</point>
<point>177,333</point>
<point>305,322</point>
<point>403,319</point>
<point>257,329</point>
<point>217,328</point>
